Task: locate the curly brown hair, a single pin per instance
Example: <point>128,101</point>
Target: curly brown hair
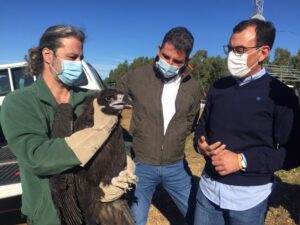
<point>50,39</point>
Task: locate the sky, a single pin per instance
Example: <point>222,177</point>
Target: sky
<point>119,30</point>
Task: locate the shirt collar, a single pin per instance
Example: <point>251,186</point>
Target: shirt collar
<point>255,76</point>
<point>175,80</point>
<point>45,94</point>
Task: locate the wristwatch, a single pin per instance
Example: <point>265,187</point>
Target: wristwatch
<point>243,162</point>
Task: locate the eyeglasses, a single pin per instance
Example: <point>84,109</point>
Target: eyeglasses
<point>238,50</point>
<point>176,61</point>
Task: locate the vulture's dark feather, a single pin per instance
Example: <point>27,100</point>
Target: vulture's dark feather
<point>63,186</point>
<point>76,193</point>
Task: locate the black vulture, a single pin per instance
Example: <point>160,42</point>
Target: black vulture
<point>76,193</point>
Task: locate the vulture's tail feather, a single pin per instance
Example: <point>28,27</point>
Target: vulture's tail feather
<point>116,212</point>
<point>64,198</point>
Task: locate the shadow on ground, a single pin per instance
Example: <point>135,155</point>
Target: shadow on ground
<point>288,196</point>
<point>12,218</point>
<point>164,203</point>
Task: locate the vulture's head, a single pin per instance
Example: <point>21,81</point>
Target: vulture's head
<point>113,101</point>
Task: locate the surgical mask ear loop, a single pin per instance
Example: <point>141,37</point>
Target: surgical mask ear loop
<point>55,71</point>
<point>256,50</point>
<point>52,67</point>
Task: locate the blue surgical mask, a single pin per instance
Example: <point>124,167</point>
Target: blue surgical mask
<point>70,73</point>
<point>166,69</point>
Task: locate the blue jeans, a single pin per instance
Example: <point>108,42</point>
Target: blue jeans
<point>208,213</point>
<point>176,180</point>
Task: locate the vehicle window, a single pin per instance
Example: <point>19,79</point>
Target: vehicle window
<point>99,80</point>
<point>20,78</point>
<point>4,83</point>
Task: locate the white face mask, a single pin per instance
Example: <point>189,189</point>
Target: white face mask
<point>237,64</point>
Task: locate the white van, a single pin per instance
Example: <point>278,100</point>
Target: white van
<point>13,77</point>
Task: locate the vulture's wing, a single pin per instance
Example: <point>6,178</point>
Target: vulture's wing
<point>63,186</point>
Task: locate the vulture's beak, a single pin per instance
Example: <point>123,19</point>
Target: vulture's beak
<point>122,102</point>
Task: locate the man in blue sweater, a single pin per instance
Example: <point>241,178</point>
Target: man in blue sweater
<point>243,132</point>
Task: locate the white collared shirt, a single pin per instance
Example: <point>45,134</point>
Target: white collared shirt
<point>168,98</point>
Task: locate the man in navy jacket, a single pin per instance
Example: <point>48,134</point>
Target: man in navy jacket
<point>243,132</point>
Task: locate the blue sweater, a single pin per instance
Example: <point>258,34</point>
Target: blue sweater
<point>254,119</point>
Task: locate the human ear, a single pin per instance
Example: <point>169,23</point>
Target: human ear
<point>47,55</point>
<point>264,53</point>
<point>158,49</point>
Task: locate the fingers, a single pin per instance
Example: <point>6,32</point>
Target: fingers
<point>215,146</point>
<point>111,192</point>
<point>202,142</point>
<point>210,150</point>
<point>221,169</point>
<point>202,146</point>
<point>223,172</point>
<point>119,182</point>
<point>222,159</point>
<point>127,176</point>
<point>225,162</point>
<point>124,180</point>
<point>218,151</point>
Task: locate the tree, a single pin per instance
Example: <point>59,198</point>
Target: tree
<point>282,56</point>
<point>140,61</point>
<point>207,69</point>
<point>295,61</point>
<point>115,75</point>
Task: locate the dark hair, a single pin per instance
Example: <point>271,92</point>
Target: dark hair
<point>265,31</point>
<point>181,38</point>
<point>50,39</point>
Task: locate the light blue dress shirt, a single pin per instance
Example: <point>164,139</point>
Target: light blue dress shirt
<point>234,197</point>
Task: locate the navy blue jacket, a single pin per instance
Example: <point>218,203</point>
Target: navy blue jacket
<point>254,119</point>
